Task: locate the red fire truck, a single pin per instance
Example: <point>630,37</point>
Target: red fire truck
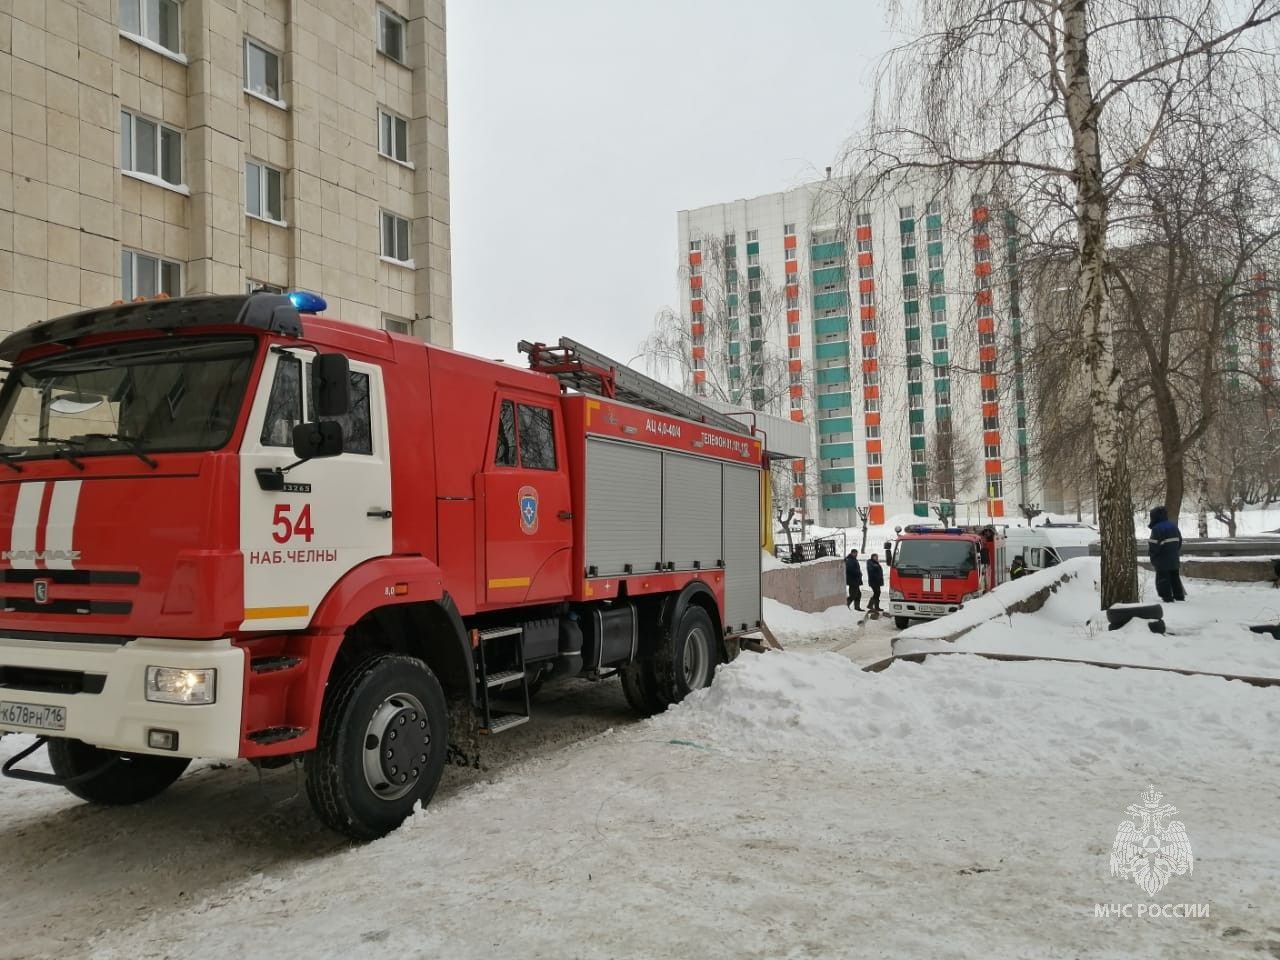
<point>236,529</point>
<point>936,570</point>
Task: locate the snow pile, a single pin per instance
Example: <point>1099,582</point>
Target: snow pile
<point>795,626</point>
<point>1208,632</point>
<point>978,715</point>
<point>996,603</point>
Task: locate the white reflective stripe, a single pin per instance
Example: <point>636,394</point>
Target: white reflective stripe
<point>61,527</point>
<point>26,516</point>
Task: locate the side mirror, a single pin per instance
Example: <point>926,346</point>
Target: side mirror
<point>330,385</point>
<point>319,439</point>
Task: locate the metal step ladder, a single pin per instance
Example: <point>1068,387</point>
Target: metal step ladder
<point>489,643</point>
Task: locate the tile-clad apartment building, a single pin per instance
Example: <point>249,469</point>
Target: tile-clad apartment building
<point>900,324</point>
<point>218,146</point>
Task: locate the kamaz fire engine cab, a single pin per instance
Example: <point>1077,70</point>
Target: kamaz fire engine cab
<point>234,529</point>
<point>937,570</point>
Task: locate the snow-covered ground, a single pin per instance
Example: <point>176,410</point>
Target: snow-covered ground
<point>800,807</point>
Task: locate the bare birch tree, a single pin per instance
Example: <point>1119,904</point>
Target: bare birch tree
<point>1054,105</point>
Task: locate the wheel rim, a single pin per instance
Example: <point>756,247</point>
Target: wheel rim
<point>397,743</point>
<point>697,660</point>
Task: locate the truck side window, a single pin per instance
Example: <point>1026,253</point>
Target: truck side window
<point>284,406</point>
<point>537,438</point>
<point>506,454</point>
<point>357,426</point>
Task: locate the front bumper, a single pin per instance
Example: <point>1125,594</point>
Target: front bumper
<point>119,716</point>
<point>921,609</point>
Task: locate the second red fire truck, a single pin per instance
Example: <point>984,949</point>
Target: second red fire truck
<point>936,570</point>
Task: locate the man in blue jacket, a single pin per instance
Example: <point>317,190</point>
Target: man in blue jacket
<point>875,580</point>
<point>1165,552</point>
<point>853,579</point>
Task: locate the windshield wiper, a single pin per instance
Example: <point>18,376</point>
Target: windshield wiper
<point>132,444</point>
<point>63,451</point>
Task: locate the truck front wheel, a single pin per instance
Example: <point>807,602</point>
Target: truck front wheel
<point>381,747</point>
<point>902,622</point>
<point>123,778</point>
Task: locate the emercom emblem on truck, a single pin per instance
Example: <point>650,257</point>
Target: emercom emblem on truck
<point>528,499</point>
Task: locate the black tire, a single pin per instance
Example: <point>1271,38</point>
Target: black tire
<point>132,778</point>
<point>1117,618</point>
<point>355,788</point>
<point>641,688</point>
<point>687,656</point>
<point>902,622</point>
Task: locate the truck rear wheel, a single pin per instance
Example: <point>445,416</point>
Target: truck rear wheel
<point>687,656</point>
<point>381,747</point>
<point>640,687</point>
<point>131,778</point>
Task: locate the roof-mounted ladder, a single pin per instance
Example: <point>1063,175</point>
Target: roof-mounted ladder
<point>586,371</point>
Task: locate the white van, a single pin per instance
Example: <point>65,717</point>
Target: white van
<point>1049,544</point>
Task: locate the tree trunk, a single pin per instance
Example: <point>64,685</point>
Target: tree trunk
<point>786,528</point>
<point>1114,487</point>
<point>1171,454</point>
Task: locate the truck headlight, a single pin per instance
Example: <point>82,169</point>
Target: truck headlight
<point>897,595</point>
<point>176,685</point>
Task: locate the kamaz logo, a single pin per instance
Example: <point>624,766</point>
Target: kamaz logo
<point>33,556</point>
<point>41,591</point>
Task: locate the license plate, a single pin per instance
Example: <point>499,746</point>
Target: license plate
<point>41,716</point>
<point>932,608</point>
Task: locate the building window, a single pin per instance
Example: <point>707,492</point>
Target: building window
<point>862,219</point>
<point>875,490</point>
<point>263,191</point>
<point>874,459</point>
<point>934,235</point>
<point>873,431</point>
<point>789,229</point>
<point>939,316</point>
<point>397,325</point>
<point>793,303</point>
<point>934,206</point>
<point>695,270</point>
<point>154,20</point>
<point>393,136</point>
<point>917,428</point>
<point>261,70</point>
<point>872,404</point>
<point>916,401</point>
<point>753,236</point>
<point>870,378</point>
<point>914,375</point>
<point>919,489</point>
<point>906,212</point>
<point>869,351</point>
<point>391,30</point>
<point>909,238</point>
<point>866,272</point>
<point>982,254</point>
<point>867,299</point>
<point>942,371</point>
<point>753,259</point>
<point>939,343</point>
<point>695,246</point>
<point>730,239</point>
<point>753,283</point>
<point>864,246</point>
<point>142,275</point>
<point>935,261</point>
<point>910,292</point>
<point>150,148</point>
<point>992,451</point>
<point>791,253</point>
<point>261,286</point>
<point>395,237</point>
<point>990,423</point>
<point>917,455</point>
<point>868,325</point>
<point>986,339</point>
<point>995,488</point>
<point>990,396</point>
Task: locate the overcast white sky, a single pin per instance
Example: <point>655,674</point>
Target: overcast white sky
<point>578,128</point>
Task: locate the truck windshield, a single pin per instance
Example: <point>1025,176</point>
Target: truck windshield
<point>934,555</point>
<point>170,394</point>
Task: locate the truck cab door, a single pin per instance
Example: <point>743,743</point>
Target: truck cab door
<point>528,518</point>
<point>333,513</point>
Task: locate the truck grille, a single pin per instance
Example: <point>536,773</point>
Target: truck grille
<point>129,578</point>
<point>74,607</point>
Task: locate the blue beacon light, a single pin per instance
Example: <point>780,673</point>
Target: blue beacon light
<point>307,302</point>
